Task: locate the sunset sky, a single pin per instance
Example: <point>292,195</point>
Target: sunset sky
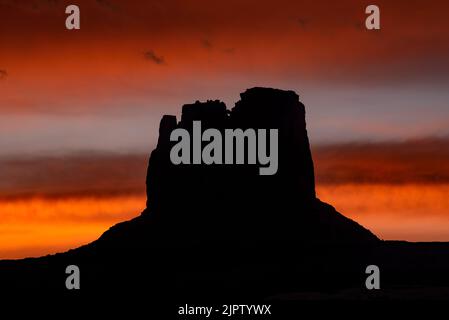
<point>90,101</point>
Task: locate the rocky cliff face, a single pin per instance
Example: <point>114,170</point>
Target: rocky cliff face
<point>233,204</point>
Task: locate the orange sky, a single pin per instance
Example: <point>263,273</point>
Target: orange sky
<point>90,101</point>
<point>397,190</point>
<point>284,42</point>
<point>40,226</point>
<point>105,87</point>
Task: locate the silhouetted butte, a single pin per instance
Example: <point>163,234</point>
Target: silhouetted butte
<point>232,205</point>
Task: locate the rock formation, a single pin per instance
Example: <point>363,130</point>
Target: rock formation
<point>219,229</point>
<point>232,205</point>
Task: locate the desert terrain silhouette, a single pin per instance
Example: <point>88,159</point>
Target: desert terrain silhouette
<point>214,231</point>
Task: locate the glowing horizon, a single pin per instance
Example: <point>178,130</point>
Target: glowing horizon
<point>89,101</point>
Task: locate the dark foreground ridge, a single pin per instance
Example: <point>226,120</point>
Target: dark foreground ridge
<point>211,231</point>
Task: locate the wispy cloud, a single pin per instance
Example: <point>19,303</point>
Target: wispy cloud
<point>229,50</point>
<point>207,44</point>
<point>94,175</point>
<point>423,161</point>
<point>3,74</point>
<point>414,161</point>
<point>152,56</point>
<point>302,22</point>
